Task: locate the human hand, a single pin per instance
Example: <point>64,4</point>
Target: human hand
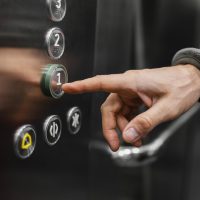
<point>20,74</point>
<point>167,92</point>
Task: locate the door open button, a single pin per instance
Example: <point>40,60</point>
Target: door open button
<point>52,129</point>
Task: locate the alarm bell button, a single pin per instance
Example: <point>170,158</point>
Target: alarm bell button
<point>24,141</point>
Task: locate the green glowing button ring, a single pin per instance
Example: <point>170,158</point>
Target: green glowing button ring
<point>53,77</point>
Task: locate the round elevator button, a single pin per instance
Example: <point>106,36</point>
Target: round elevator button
<point>52,129</point>
<point>55,41</point>
<point>24,141</point>
<point>57,9</point>
<point>74,120</point>
<point>54,76</point>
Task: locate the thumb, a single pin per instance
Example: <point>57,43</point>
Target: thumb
<point>143,123</point>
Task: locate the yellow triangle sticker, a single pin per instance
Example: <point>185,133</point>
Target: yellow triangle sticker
<point>26,141</point>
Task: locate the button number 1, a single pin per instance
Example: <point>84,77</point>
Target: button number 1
<point>59,81</point>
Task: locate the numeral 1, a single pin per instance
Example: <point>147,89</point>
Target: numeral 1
<point>59,81</point>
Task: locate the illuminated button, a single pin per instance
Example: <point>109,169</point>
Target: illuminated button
<point>52,129</point>
<point>74,120</point>
<point>54,76</point>
<point>57,9</point>
<point>55,41</point>
<point>24,141</point>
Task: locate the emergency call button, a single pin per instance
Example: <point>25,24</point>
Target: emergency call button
<point>53,77</point>
<point>52,129</point>
<point>24,141</point>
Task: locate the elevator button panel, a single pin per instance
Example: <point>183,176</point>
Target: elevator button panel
<point>57,9</point>
<point>53,77</point>
<point>52,129</point>
<point>24,141</point>
<point>55,42</point>
<point>74,118</point>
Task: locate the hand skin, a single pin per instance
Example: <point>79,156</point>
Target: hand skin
<point>167,92</point>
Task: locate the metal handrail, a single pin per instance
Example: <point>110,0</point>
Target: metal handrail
<point>133,156</point>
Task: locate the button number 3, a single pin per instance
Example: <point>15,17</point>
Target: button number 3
<point>58,5</point>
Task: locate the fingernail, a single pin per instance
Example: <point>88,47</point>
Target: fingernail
<point>132,135</point>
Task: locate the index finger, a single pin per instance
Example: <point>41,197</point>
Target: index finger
<point>107,83</point>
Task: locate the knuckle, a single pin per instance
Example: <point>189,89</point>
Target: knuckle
<point>128,72</point>
<point>131,73</point>
<point>111,104</point>
<point>144,123</point>
<point>99,81</point>
<point>102,108</point>
<point>105,107</point>
<point>98,77</point>
<point>130,77</point>
<point>109,136</point>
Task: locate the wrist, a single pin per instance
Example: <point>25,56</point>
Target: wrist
<point>194,75</point>
<point>190,58</point>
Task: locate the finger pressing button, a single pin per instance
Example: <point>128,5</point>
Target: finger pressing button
<point>53,77</point>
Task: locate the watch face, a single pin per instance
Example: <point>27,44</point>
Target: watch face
<point>55,41</point>
<point>54,76</point>
<point>57,9</point>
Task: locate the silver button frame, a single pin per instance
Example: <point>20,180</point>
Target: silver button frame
<point>17,137</point>
<point>45,128</point>
<point>47,75</point>
<point>52,15</point>
<point>49,33</point>
<point>69,115</point>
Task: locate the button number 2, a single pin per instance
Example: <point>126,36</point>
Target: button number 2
<point>57,36</point>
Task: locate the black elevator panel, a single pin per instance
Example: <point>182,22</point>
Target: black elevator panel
<point>52,172</point>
